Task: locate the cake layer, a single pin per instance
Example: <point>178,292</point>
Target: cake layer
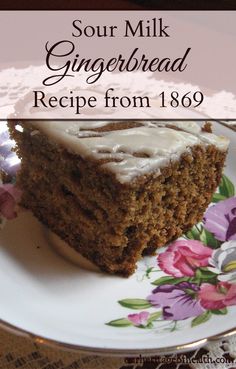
<point>113,199</point>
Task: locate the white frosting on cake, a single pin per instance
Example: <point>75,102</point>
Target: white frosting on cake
<point>133,151</point>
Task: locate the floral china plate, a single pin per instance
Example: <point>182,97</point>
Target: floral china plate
<point>177,300</point>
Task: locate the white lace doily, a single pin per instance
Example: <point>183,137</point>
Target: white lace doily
<point>17,82</point>
<point>19,352</point>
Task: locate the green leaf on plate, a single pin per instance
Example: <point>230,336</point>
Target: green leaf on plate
<point>148,271</point>
<point>226,187</point>
<point>137,304</point>
<point>223,311</point>
<point>208,239</point>
<point>204,275</point>
<point>169,280</point>
<point>149,325</point>
<point>218,197</point>
<point>123,322</point>
<point>193,234</point>
<point>201,318</point>
<point>154,316</point>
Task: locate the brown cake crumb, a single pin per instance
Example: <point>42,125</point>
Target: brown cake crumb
<point>207,127</point>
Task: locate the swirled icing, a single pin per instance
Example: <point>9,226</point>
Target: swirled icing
<point>131,151</point>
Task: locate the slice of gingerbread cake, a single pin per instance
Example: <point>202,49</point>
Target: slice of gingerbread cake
<point>116,191</point>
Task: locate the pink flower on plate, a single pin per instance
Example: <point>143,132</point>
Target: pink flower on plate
<point>139,318</point>
<point>9,196</point>
<point>217,297</point>
<point>183,257</point>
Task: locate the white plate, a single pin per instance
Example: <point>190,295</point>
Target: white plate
<point>58,302</point>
